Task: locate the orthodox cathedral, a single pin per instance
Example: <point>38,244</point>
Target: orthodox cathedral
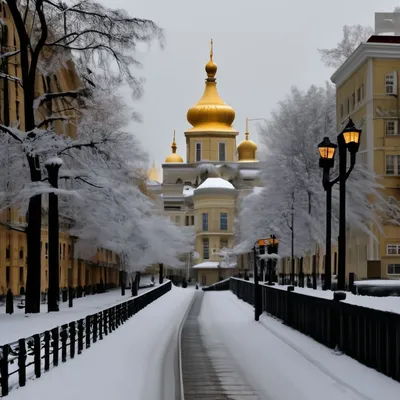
<point>205,190</point>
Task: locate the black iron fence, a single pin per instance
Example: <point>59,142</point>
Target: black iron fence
<point>370,336</point>
<point>31,356</point>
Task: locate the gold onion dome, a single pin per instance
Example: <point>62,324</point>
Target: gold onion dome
<point>153,175</point>
<point>211,113</point>
<point>173,157</point>
<point>247,149</point>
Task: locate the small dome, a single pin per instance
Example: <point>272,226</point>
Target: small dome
<point>216,183</point>
<point>247,149</point>
<point>173,157</point>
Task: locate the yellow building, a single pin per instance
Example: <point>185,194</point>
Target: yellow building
<point>367,91</point>
<point>208,201</point>
<point>74,271</point>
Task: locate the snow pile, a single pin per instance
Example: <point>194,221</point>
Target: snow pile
<point>207,265</point>
<point>216,183</point>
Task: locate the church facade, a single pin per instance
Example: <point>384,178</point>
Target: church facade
<point>205,190</point>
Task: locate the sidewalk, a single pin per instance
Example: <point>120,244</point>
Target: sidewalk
<point>127,365</point>
<point>20,325</point>
<point>283,364</point>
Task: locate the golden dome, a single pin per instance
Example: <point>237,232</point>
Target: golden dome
<point>173,157</point>
<point>211,113</point>
<point>247,149</point>
<point>153,174</point>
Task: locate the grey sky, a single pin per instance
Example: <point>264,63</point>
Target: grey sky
<point>261,48</point>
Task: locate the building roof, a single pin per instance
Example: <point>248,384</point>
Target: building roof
<point>216,183</point>
<point>153,174</point>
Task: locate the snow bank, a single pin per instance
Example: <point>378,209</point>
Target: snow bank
<point>282,363</point>
<point>126,365</point>
<point>379,282</point>
<point>391,304</point>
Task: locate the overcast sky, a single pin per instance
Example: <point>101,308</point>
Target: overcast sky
<point>261,47</point>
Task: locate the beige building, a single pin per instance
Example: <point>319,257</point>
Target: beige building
<point>367,91</point>
<point>74,270</point>
<point>209,201</point>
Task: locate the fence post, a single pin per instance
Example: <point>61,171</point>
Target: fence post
<point>301,273</point>
<point>111,312</point>
<point>80,336</point>
<point>105,313</point>
<point>72,333</point>
<point>101,325</point>
<point>46,350</point>
<point>94,328</point>
<point>4,369</point>
<point>335,320</point>
<point>37,355</point>
<point>88,320</point>
<point>21,362</point>
<point>64,337</point>
<point>54,335</point>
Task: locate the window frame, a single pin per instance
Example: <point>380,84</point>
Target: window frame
<point>397,249</point>
<point>396,164</point>
<point>206,248</point>
<point>391,82</point>
<point>198,159</point>
<point>395,127</point>
<point>204,222</point>
<point>220,221</point>
<point>396,269</point>
<point>219,150</point>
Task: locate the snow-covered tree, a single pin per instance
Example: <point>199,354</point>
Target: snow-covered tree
<point>353,36</point>
<point>293,180</point>
<point>50,34</point>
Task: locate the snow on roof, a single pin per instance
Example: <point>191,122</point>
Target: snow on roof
<point>188,191</point>
<point>207,264</point>
<point>216,183</point>
<point>249,173</point>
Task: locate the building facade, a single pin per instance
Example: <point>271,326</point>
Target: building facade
<point>74,270</point>
<point>205,191</point>
<point>367,91</point>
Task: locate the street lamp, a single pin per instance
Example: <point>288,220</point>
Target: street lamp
<point>348,139</point>
<point>326,161</point>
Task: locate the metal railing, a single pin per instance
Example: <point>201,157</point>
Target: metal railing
<point>28,357</point>
<point>370,336</point>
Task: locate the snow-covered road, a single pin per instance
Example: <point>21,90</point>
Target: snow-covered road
<point>130,364</point>
<point>283,364</point>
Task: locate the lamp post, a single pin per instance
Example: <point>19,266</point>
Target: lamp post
<point>348,139</point>
<point>326,161</point>
<point>53,165</point>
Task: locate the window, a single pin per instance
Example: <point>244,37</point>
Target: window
<point>17,109</point>
<point>198,151</point>
<point>16,86</point>
<point>63,251</point>
<point>21,253</point>
<point>206,249</point>
<point>393,249</point>
<point>46,250</point>
<point>204,218</point>
<point>223,244</point>
<point>178,219</point>
<point>353,101</point>
<point>187,220</point>
<point>391,127</point>
<point>8,253</point>
<point>8,276</point>
<point>221,151</point>
<point>69,250</point>
<point>362,91</point>
<point>341,111</point>
<point>391,83</point>
<point>21,274</point>
<point>223,221</point>
<point>348,106</point>
<point>60,251</point>
<point>192,218</point>
<point>393,165</point>
<point>358,95</point>
<point>393,269</point>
